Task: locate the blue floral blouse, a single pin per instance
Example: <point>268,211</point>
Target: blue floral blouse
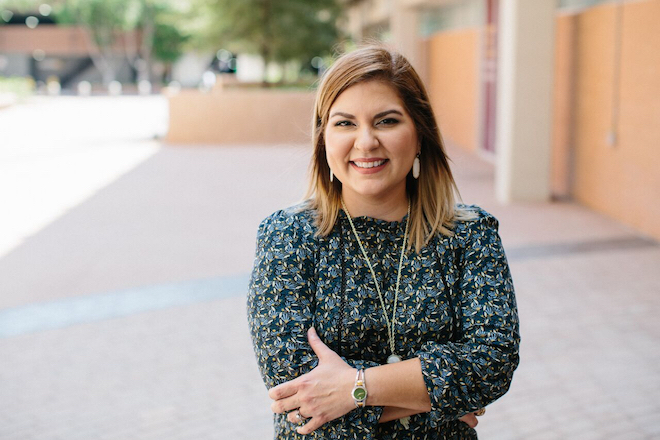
<point>456,312</point>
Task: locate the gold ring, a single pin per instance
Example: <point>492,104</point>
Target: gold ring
<point>480,412</point>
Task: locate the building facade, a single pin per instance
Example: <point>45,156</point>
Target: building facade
<point>563,96</point>
<point>61,52</point>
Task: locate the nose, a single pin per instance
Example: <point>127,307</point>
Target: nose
<point>366,140</point>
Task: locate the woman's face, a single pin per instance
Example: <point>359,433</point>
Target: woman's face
<point>371,142</point>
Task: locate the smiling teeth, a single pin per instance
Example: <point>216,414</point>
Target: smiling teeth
<point>369,164</point>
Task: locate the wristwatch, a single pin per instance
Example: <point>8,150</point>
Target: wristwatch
<point>359,392</point>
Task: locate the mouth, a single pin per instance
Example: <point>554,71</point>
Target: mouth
<point>373,164</point>
<point>369,166</point>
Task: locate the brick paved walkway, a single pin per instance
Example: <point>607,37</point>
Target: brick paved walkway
<point>122,314</point>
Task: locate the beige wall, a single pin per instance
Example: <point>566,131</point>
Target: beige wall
<point>525,65</point>
<point>240,117</point>
<point>621,180</point>
<point>453,84</point>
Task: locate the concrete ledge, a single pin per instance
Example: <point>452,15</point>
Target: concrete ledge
<point>240,117</point>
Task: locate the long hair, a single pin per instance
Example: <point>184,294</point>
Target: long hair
<point>433,195</point>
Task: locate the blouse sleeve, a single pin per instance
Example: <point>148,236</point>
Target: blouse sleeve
<point>280,311</point>
<point>469,374</point>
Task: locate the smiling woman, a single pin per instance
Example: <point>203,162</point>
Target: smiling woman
<point>379,308</point>
<point>371,143</point>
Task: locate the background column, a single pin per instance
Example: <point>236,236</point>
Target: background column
<point>403,26</point>
<point>524,101</point>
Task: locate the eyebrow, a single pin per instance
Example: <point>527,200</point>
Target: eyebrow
<point>379,115</point>
<point>387,112</point>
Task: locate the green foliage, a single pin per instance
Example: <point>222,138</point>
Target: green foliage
<point>18,86</point>
<point>278,30</point>
<point>104,18</point>
<point>21,6</point>
<point>168,42</point>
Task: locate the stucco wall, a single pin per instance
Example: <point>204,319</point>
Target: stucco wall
<point>620,179</point>
<point>563,106</point>
<point>240,117</point>
<point>594,96</point>
<point>453,84</point>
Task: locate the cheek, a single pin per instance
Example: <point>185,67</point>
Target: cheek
<point>336,146</point>
<point>405,145</point>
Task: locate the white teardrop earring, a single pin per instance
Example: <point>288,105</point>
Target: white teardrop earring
<point>416,167</point>
<point>332,176</point>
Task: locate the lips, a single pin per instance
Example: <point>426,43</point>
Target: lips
<point>369,165</point>
<point>373,164</point>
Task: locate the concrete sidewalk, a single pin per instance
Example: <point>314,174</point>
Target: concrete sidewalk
<point>122,313</point>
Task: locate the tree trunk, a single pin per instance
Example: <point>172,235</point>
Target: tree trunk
<point>147,44</point>
<point>266,49</point>
<point>101,62</point>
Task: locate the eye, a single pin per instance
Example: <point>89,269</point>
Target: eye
<point>342,123</point>
<point>388,121</point>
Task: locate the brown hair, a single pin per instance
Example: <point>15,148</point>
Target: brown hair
<point>433,195</point>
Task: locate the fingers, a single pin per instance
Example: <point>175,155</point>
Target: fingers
<point>470,419</point>
<point>321,350</point>
<point>293,417</point>
<point>284,390</point>
<point>283,405</point>
<point>312,425</point>
<point>308,424</point>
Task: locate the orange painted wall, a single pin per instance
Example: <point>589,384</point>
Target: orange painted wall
<point>240,116</point>
<point>453,83</point>
<point>563,106</point>
<point>620,180</point>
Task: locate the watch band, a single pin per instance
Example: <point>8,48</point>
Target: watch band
<point>359,392</point>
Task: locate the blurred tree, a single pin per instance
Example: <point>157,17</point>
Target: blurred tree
<point>142,17</point>
<point>103,20</point>
<point>168,45</point>
<point>21,6</point>
<point>278,30</point>
<point>145,28</point>
<point>161,40</point>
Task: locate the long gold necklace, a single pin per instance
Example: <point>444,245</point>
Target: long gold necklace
<point>390,323</point>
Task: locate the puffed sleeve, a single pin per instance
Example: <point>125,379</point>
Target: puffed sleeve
<point>280,311</point>
<point>279,298</point>
<point>469,374</point>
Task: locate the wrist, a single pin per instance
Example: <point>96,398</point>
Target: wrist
<point>359,392</point>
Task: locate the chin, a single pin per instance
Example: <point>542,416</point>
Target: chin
<point>372,192</point>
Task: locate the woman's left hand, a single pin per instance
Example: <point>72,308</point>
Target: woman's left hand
<point>321,395</point>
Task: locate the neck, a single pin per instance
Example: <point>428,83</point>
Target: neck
<point>390,209</point>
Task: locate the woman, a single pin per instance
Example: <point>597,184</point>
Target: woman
<point>378,307</point>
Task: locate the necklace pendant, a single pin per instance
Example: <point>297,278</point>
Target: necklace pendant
<point>393,359</point>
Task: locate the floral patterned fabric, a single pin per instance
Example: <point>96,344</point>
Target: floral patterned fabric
<point>456,312</point>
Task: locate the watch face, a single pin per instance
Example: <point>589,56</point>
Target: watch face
<point>359,393</point>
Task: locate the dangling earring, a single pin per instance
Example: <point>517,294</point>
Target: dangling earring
<point>332,176</point>
<point>416,167</point>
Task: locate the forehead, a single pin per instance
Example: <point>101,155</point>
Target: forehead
<point>368,95</point>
